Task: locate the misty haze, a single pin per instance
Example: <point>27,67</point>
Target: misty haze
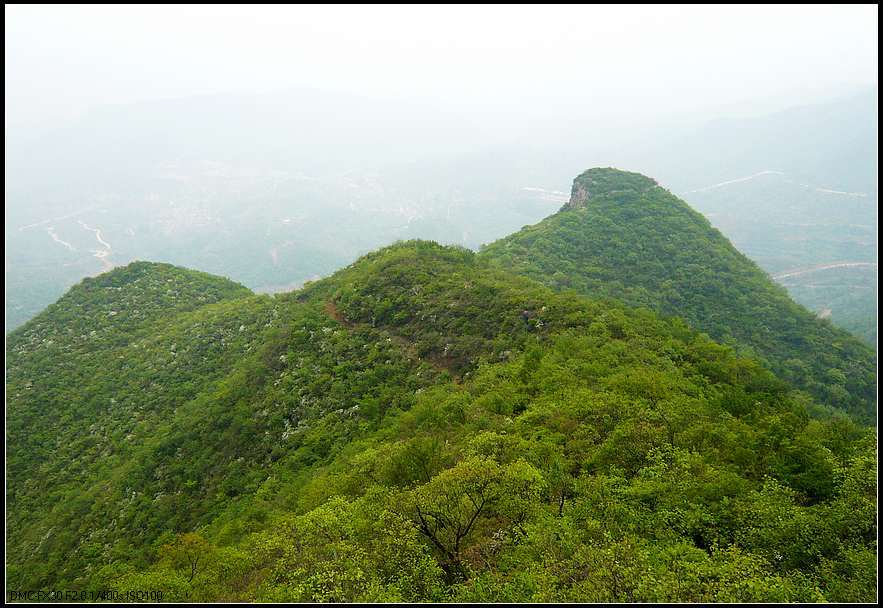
<point>441,303</point>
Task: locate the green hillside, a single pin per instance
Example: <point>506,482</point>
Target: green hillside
<point>422,426</point>
<point>623,236</point>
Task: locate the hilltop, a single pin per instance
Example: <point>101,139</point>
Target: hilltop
<point>624,237</point>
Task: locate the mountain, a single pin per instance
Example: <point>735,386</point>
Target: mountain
<point>421,426</point>
<point>623,236</point>
<point>256,187</point>
<point>276,189</point>
<point>819,242</point>
<point>794,190</point>
<point>271,190</point>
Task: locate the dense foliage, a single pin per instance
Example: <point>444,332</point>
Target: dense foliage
<point>421,426</point>
<point>624,237</point>
<point>787,225</point>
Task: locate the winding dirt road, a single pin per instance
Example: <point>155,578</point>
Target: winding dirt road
<point>762,173</point>
<point>101,254</point>
<point>794,273</point>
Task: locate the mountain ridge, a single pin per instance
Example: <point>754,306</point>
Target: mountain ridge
<point>364,413</point>
<point>623,236</point>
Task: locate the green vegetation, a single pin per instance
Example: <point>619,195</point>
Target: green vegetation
<point>785,225</point>
<point>422,426</point>
<point>624,237</point>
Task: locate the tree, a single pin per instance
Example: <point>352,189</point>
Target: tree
<point>188,553</point>
<point>449,508</point>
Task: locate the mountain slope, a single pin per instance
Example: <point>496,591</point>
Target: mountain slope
<point>335,444</point>
<point>820,243</point>
<point>622,236</point>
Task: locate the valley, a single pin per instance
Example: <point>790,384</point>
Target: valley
<point>270,226</point>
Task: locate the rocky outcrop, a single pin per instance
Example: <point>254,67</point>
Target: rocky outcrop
<point>603,181</point>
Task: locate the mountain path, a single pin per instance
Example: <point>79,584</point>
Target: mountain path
<point>409,348</point>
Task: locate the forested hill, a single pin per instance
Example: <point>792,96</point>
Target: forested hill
<point>623,236</point>
<point>421,426</point>
<point>115,305</point>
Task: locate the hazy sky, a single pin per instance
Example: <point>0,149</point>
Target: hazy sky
<point>607,60</point>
